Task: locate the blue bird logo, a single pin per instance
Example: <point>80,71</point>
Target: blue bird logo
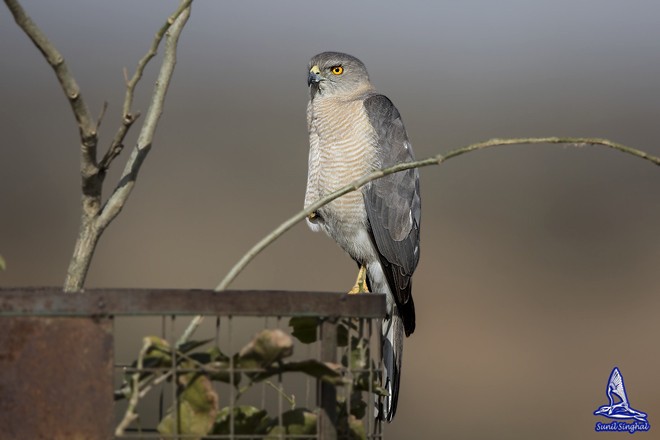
<point>616,390</point>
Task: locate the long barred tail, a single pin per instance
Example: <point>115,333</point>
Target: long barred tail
<point>392,352</point>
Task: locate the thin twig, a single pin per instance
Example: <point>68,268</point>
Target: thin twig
<point>190,329</point>
<point>130,415</point>
<point>437,160</point>
<point>280,390</point>
<point>100,118</point>
<point>357,184</point>
<point>128,117</point>
<point>126,183</point>
<point>154,382</point>
<point>153,50</point>
<point>117,144</point>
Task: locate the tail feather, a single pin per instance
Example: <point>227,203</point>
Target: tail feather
<point>392,352</point>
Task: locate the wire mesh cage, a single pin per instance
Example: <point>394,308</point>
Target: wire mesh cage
<point>262,365</point>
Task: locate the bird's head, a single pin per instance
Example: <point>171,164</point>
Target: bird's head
<point>335,73</point>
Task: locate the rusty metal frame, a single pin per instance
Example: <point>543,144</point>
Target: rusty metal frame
<point>57,348</point>
<point>133,302</point>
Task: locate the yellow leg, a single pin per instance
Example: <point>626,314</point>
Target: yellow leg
<point>360,282</point>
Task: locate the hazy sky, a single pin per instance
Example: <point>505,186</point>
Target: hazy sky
<point>539,268</point>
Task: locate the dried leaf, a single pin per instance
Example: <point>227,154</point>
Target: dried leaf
<point>197,407</point>
<point>267,347</point>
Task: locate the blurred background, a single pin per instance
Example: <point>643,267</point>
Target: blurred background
<point>539,268</point>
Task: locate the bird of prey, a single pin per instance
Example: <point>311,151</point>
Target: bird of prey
<point>353,130</point>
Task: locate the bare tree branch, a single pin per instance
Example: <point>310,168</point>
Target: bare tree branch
<point>94,218</point>
<point>128,117</point>
<point>357,184</point>
<point>86,124</point>
<point>94,223</point>
<point>436,160</point>
<point>131,415</point>
<point>127,181</point>
<point>101,115</point>
<point>87,127</point>
<point>91,181</point>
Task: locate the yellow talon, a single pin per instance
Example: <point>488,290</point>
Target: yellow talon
<point>360,282</point>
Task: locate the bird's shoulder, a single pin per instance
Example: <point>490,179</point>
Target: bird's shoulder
<point>380,108</point>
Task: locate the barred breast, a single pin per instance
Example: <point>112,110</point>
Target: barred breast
<point>341,150</point>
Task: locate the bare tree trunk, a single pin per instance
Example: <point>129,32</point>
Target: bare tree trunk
<point>88,237</point>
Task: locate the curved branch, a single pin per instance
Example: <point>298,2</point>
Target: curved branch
<point>436,160</point>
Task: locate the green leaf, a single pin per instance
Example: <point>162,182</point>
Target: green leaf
<point>299,421</point>
<point>191,345</point>
<point>3,265</point>
<point>358,405</point>
<point>159,352</point>
<point>326,371</point>
<point>305,328</point>
<point>359,355</point>
<point>247,420</point>
<point>218,364</point>
<point>157,356</point>
<point>197,407</point>
<point>342,335</point>
<point>349,425</point>
<point>361,383</point>
<point>356,429</point>
<point>267,347</point>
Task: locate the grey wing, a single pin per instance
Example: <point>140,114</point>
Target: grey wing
<point>393,206</point>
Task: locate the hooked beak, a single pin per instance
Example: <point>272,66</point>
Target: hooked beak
<point>314,76</point>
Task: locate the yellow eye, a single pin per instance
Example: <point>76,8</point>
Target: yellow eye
<point>337,70</point>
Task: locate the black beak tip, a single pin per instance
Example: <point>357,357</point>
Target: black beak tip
<point>312,78</point>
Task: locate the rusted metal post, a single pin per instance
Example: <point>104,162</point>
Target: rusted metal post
<point>328,392</point>
<point>56,378</point>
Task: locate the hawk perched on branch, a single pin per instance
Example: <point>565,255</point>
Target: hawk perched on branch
<point>353,131</point>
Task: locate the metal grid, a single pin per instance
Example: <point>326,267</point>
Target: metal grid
<point>233,317</point>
